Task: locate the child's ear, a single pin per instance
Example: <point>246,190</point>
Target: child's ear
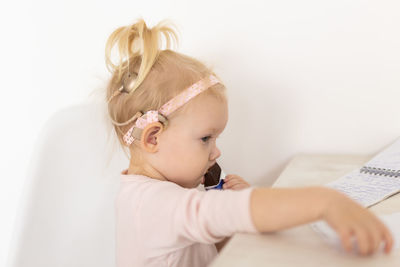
<point>149,138</point>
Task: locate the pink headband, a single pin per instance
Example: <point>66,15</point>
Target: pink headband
<point>169,107</point>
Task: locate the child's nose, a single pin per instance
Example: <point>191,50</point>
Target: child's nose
<point>215,153</point>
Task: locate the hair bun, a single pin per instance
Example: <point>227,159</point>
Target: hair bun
<point>137,41</point>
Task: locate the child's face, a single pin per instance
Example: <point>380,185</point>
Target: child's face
<point>188,147</point>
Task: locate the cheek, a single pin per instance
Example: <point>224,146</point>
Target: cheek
<point>185,155</point>
<point>173,150</point>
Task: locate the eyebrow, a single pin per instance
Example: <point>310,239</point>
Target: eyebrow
<point>211,130</point>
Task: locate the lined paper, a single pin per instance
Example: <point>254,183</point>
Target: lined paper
<point>366,189</point>
<point>389,158</point>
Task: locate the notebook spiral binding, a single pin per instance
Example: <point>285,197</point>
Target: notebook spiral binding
<point>379,171</point>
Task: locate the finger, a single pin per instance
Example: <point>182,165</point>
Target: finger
<point>374,234</point>
<point>363,241</point>
<point>388,238</point>
<point>232,183</point>
<point>229,176</point>
<point>383,235</point>
<point>238,179</point>
<point>235,186</point>
<point>239,186</point>
<point>345,238</point>
<point>375,238</point>
<point>229,184</point>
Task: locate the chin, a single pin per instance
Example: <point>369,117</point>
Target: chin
<point>197,184</point>
<point>192,185</point>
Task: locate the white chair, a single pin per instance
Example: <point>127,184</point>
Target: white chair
<point>66,216</point>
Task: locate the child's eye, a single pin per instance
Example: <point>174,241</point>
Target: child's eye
<point>205,139</point>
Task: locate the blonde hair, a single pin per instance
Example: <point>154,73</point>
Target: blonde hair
<point>146,77</point>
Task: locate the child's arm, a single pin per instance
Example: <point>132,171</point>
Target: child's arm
<point>233,182</point>
<point>274,209</point>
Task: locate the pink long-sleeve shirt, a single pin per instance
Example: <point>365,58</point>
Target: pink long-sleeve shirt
<point>159,223</point>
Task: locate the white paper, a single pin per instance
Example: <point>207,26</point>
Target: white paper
<point>366,189</point>
<point>389,158</point>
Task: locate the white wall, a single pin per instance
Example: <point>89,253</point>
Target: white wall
<point>303,76</point>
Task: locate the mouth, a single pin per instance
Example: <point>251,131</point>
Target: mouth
<point>202,179</point>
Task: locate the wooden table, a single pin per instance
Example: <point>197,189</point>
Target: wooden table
<point>301,246</point>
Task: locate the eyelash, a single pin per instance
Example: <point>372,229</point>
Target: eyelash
<point>205,137</point>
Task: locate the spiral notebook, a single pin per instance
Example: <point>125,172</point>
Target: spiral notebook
<point>377,180</point>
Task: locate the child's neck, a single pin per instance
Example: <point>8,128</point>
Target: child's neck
<point>145,170</point>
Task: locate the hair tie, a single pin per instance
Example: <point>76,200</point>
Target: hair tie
<point>161,115</point>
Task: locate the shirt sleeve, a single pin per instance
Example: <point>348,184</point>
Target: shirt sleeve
<point>177,217</point>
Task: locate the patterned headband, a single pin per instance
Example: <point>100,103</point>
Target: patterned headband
<point>161,115</point>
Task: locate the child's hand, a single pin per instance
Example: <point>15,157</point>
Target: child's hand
<point>234,182</point>
<point>349,219</point>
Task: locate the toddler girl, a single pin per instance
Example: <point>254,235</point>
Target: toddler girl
<point>168,109</point>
